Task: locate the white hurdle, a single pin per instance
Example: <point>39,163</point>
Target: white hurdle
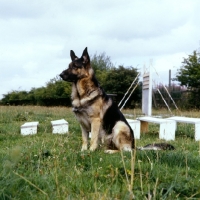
<point>195,121</point>
<point>167,127</point>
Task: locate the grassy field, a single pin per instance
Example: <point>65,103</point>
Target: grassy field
<point>47,166</point>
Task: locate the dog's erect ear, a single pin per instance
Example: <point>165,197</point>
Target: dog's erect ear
<point>85,56</point>
<point>73,56</point>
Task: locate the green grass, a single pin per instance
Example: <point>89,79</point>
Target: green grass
<point>47,166</point>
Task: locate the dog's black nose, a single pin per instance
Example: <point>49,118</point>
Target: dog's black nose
<point>61,75</point>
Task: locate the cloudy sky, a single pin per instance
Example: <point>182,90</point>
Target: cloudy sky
<point>37,36</point>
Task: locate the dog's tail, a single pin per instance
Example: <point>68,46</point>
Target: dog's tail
<point>157,146</point>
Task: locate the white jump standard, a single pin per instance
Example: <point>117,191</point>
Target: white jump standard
<point>167,127</point>
<point>135,125</point>
<point>195,121</point>
<point>147,93</point>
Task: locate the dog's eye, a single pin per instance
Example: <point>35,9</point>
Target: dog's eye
<point>77,66</point>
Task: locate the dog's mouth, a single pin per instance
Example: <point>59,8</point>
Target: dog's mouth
<point>77,109</point>
<point>63,76</point>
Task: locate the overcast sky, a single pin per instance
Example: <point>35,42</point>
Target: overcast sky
<point>37,36</point>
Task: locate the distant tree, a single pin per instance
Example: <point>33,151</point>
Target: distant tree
<point>56,92</point>
<point>189,75</point>
<point>5,99</point>
<point>101,65</point>
<point>118,80</point>
<point>39,93</point>
<point>57,88</point>
<point>101,62</point>
<point>14,97</point>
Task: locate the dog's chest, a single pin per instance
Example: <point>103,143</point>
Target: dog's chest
<point>84,119</point>
<point>82,88</point>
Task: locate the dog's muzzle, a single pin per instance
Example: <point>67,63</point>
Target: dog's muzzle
<point>66,76</point>
<point>62,75</point>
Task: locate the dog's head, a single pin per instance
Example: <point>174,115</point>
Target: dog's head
<point>79,67</point>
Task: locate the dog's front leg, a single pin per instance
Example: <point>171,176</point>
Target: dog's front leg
<point>95,128</point>
<point>85,136</point>
<point>75,96</point>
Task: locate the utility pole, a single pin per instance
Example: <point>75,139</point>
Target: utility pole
<point>170,79</point>
<point>169,89</point>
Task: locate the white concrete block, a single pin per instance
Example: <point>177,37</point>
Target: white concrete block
<point>59,126</point>
<point>135,125</point>
<point>29,128</point>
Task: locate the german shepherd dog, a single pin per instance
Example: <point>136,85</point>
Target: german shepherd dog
<point>95,110</point>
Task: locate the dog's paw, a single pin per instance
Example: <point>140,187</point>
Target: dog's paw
<point>84,148</point>
<point>109,151</point>
<point>76,103</point>
<point>83,101</point>
<point>93,148</point>
<point>127,148</point>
